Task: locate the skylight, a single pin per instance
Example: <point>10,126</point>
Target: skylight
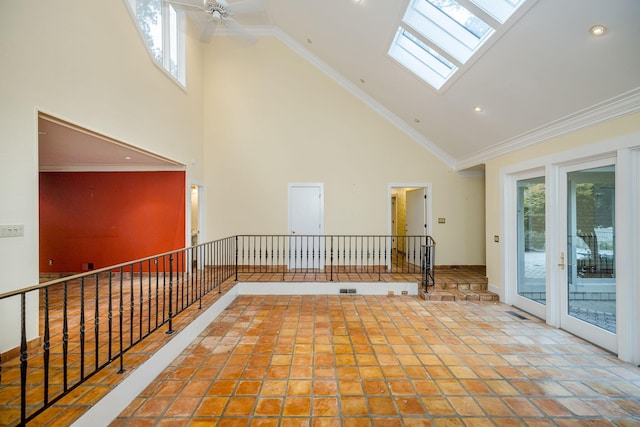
<point>427,63</point>
<point>437,37</point>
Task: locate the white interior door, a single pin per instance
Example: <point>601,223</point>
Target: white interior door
<point>416,216</point>
<point>306,226</point>
<point>416,212</point>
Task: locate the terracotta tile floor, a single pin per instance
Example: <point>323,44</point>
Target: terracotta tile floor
<point>370,360</point>
<point>379,360</point>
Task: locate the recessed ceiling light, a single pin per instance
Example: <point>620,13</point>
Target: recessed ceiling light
<point>478,109</point>
<point>597,30</point>
<point>127,157</point>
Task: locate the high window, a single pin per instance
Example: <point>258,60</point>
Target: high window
<point>162,27</point>
<point>436,38</point>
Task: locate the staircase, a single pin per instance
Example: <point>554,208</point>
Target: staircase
<point>454,283</point>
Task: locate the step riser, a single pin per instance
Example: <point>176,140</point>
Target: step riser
<point>462,286</point>
<point>436,295</point>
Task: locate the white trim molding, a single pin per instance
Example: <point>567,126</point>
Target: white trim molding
<point>621,105</point>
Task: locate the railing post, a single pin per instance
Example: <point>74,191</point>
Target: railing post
<point>46,345</point>
<point>23,358</point>
<point>331,262</point>
<point>121,309</point>
<point>236,258</point>
<point>170,331</point>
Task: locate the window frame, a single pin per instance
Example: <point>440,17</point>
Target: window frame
<point>170,35</point>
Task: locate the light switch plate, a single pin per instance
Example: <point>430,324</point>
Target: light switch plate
<point>14,230</point>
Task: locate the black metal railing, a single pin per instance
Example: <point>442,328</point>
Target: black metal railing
<point>91,320</point>
<point>81,333</point>
<point>595,255</point>
<point>336,255</point>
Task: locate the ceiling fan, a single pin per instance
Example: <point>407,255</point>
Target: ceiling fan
<point>208,14</point>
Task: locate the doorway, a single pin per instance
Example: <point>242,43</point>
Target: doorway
<point>560,249</point>
<point>588,296</point>
<point>195,214</point>
<point>409,215</point>
<point>306,226</point>
<point>409,210</point>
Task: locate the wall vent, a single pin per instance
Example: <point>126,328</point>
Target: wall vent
<point>347,291</point>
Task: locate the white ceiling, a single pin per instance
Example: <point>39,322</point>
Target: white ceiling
<point>546,70</point>
<point>546,76</point>
<point>65,147</point>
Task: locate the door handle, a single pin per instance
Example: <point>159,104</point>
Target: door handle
<point>561,264</point>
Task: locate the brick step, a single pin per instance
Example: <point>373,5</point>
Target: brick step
<point>458,295</point>
<point>476,285</point>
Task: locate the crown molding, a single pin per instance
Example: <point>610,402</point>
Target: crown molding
<point>618,106</point>
<point>355,91</point>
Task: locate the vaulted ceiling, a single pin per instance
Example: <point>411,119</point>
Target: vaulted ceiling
<point>546,75</point>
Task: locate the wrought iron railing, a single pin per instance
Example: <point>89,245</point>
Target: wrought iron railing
<point>89,321</point>
<point>333,256</point>
<point>81,333</point>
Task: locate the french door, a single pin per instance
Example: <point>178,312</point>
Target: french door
<point>587,255</point>
<point>531,248</point>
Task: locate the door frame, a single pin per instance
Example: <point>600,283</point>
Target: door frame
<point>292,185</point>
<point>510,253</point>
<point>592,333</point>
<point>292,262</point>
<point>626,150</point>
<point>428,205</point>
<point>196,257</point>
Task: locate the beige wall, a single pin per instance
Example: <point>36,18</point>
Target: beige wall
<point>598,133</point>
<point>84,62</point>
<point>271,119</point>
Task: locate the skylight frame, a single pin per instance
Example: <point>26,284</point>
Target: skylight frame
<point>421,59</point>
<point>443,30</point>
<point>430,23</point>
<point>500,10</point>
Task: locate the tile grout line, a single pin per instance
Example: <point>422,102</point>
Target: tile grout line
<point>117,400</point>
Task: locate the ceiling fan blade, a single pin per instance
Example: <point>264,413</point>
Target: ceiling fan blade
<point>200,19</point>
<point>237,29</point>
<point>208,30</point>
<point>199,4</point>
<point>246,6</point>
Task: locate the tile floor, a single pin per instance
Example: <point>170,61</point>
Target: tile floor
<point>369,360</point>
<point>379,360</point>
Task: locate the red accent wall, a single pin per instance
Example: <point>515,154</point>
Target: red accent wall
<point>107,218</point>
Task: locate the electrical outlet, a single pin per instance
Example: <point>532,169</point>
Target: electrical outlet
<point>14,230</point>
<point>405,292</point>
<point>441,220</point>
<point>496,239</point>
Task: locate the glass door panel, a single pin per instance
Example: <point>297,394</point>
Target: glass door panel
<point>531,240</point>
<point>591,272</point>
